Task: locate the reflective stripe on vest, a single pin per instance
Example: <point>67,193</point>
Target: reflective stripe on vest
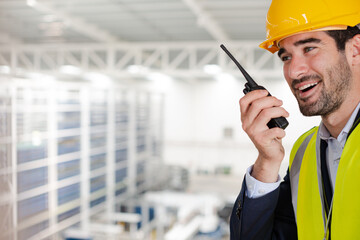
<point>306,189</point>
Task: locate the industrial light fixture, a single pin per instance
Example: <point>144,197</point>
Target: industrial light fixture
<point>152,76</point>
<point>41,77</point>
<point>212,69</point>
<point>225,77</point>
<point>137,69</point>
<point>157,76</point>
<point>98,79</point>
<point>70,70</point>
<point>5,69</point>
<point>31,3</point>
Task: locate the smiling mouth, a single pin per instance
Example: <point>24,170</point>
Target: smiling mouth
<point>307,87</point>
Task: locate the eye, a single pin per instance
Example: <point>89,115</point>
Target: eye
<point>308,49</point>
<point>285,58</point>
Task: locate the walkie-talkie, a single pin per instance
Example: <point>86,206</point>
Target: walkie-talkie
<point>251,85</point>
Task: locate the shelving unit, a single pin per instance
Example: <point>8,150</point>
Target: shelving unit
<point>70,151</point>
<point>7,177</point>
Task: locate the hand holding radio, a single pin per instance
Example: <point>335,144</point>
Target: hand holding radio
<point>251,85</point>
<point>263,120</point>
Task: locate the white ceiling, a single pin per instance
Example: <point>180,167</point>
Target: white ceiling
<point>131,21</point>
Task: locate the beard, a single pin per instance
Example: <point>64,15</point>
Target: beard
<point>333,92</point>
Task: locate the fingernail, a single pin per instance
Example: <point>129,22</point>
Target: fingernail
<point>264,92</point>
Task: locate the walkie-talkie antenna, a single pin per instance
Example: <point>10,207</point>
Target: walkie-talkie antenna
<point>251,85</point>
<point>251,82</point>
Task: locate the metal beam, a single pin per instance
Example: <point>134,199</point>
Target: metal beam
<point>7,38</point>
<point>77,24</point>
<point>183,59</point>
<point>206,20</point>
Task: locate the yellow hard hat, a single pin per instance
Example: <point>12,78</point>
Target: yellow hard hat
<point>289,17</point>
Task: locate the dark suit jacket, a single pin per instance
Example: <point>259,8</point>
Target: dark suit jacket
<point>271,216</point>
<point>268,217</point>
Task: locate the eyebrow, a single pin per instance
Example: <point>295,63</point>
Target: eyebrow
<point>300,42</point>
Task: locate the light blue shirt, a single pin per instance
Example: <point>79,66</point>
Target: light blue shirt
<point>334,150</point>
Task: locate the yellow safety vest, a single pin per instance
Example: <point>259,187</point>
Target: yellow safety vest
<point>306,189</point>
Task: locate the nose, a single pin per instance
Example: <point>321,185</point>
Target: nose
<point>297,67</point>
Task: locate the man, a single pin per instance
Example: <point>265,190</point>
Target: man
<point>319,44</point>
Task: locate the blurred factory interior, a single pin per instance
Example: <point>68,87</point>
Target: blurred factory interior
<point>119,119</point>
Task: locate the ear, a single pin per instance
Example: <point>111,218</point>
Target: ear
<point>354,53</point>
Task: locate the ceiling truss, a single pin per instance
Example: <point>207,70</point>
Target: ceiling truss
<point>184,60</point>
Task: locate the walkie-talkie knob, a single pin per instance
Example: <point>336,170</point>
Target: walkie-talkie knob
<point>248,88</point>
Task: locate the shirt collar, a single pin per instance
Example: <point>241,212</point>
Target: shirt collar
<point>325,135</point>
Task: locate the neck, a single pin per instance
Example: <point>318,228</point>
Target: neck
<point>336,121</point>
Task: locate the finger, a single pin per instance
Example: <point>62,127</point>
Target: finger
<point>250,97</point>
<point>268,139</point>
<point>267,114</point>
<point>256,107</point>
<point>259,124</point>
<point>275,134</point>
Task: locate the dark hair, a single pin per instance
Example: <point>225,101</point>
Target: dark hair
<point>342,36</point>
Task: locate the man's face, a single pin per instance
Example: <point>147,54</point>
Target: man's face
<point>317,73</point>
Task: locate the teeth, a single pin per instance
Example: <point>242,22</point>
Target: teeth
<point>307,86</point>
